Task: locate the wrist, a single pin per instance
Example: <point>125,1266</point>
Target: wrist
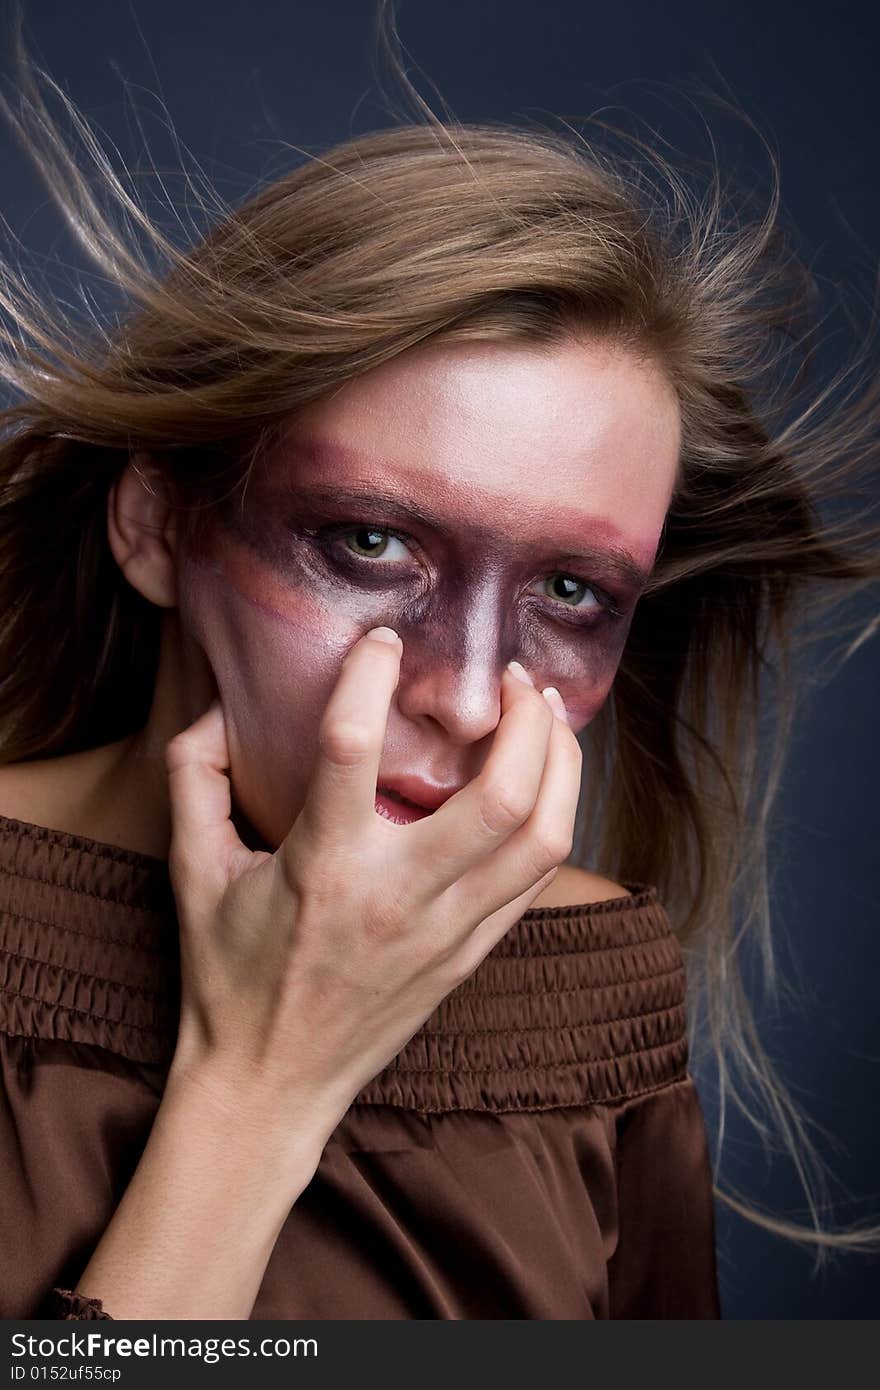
<point>238,1109</point>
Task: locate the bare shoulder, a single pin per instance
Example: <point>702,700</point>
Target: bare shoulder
<point>23,792</point>
<point>72,792</point>
<point>573,886</point>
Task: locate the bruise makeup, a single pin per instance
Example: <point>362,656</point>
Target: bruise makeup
<point>343,530</point>
<point>358,554</point>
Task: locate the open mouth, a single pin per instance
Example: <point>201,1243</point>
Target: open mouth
<point>396,796</point>
<point>397,808</point>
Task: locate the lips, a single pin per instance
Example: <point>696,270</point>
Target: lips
<point>395,796</point>
<point>415,792</point>
<point>394,808</point>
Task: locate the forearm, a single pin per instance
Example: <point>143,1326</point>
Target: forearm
<point>194,1231</point>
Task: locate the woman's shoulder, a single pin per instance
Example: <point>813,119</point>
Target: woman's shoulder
<point>49,792</point>
<point>88,936</point>
<point>22,792</point>
<point>90,795</point>
<point>573,886</point>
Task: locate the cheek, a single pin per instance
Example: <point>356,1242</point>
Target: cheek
<point>295,613</point>
<point>584,674</point>
<point>275,654</point>
<point>583,701</point>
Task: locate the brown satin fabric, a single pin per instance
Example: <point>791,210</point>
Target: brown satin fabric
<point>537,1150</point>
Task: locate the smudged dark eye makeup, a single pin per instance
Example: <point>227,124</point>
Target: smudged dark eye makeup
<point>330,541</point>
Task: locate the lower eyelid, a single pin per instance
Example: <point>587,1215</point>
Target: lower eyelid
<point>331,537</point>
<point>604,603</point>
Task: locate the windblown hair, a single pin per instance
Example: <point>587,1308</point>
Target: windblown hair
<point>437,230</point>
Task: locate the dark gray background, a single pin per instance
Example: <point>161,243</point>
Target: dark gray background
<point>241,80</point>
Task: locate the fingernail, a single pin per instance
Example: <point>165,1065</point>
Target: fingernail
<point>520,672</point>
<point>383,634</point>
<point>556,702</point>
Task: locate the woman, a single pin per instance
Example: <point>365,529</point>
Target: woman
<point>451,387</point>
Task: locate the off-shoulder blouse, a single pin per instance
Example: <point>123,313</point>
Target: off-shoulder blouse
<point>536,1150</point>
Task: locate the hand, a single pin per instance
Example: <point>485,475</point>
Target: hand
<point>305,971</point>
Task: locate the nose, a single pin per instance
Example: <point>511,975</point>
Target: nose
<point>452,677</point>
<point>459,691</point>
<point>454,659</point>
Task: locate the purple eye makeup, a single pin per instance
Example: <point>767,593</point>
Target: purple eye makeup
<point>488,503</point>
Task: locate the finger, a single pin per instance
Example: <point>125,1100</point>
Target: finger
<point>203,838</point>
<point>485,813</point>
<point>340,801</point>
<point>547,835</point>
<point>476,945</point>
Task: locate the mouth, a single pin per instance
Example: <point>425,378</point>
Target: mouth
<point>392,805</point>
<point>397,808</point>
<point>422,795</point>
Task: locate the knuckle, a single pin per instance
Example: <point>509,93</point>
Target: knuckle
<point>294,868</point>
<point>380,923</point>
<point>345,742</point>
<point>503,807</point>
<point>386,913</point>
<point>178,750</point>
<point>552,847</point>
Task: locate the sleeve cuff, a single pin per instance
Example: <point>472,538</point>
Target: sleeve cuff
<point>67,1305</point>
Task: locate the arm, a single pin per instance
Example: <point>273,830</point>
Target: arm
<point>196,1226</point>
<point>310,968</point>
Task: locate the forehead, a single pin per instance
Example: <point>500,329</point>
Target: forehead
<point>505,436</point>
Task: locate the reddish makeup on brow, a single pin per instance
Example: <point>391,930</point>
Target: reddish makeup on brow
<point>324,474</point>
<point>586,665</point>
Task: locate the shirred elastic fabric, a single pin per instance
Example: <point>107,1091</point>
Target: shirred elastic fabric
<point>536,1150</point>
<point>575,1004</point>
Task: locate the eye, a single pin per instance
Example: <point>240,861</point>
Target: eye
<point>569,590</point>
<point>361,547</point>
<point>372,542</point>
<point>573,588</point>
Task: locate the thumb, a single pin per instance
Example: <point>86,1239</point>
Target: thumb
<point>204,842</point>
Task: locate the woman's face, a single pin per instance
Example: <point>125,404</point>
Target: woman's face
<point>476,498</point>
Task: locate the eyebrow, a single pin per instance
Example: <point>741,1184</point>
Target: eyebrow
<point>611,558</point>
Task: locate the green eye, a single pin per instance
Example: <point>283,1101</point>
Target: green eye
<point>580,587</point>
<point>570,590</point>
<point>368,539</point>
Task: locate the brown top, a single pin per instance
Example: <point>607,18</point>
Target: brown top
<point>536,1150</point>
